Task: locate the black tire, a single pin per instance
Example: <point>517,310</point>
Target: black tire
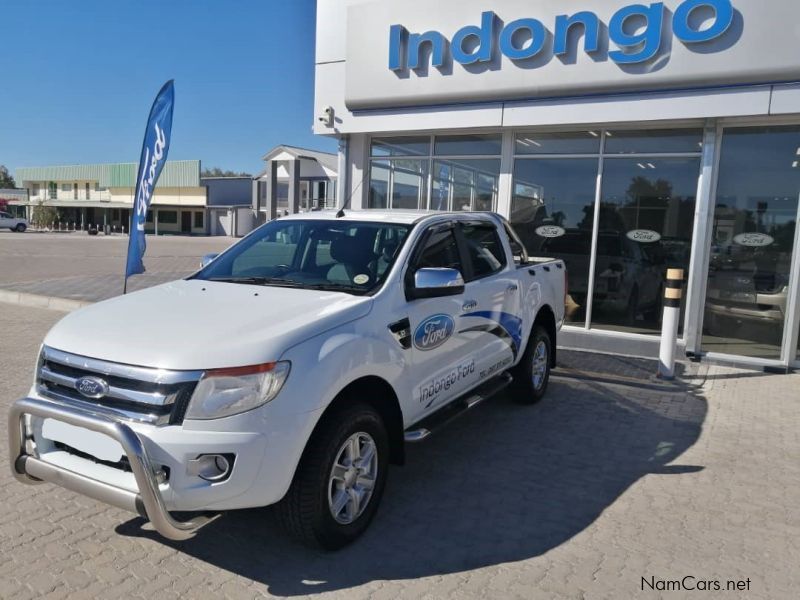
<point>20,228</point>
<point>305,512</point>
<point>526,389</point>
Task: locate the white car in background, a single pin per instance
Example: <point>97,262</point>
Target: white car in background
<point>13,223</point>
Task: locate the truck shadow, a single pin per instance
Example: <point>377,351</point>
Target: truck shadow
<point>505,483</point>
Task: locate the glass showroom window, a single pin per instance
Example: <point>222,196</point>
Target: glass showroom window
<point>752,241</point>
<point>462,172</point>
<point>645,222</point>
<point>552,210</point>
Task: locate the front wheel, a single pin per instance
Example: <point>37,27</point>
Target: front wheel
<point>532,374</point>
<point>339,482</point>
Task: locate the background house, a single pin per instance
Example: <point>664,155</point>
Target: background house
<point>294,180</point>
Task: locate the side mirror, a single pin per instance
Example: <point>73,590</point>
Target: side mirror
<point>436,283</point>
<point>207,259</point>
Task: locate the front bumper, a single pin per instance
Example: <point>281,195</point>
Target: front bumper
<point>148,502</point>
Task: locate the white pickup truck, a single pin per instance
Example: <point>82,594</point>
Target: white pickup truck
<point>290,370</point>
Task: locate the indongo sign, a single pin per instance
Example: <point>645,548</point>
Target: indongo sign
<point>754,240</point>
<point>523,39</point>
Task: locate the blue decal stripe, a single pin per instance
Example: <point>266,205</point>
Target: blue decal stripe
<point>512,324</point>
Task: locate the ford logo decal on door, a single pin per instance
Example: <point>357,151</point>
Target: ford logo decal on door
<point>433,332</point>
<point>91,387</point>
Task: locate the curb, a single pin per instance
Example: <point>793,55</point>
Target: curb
<point>38,301</point>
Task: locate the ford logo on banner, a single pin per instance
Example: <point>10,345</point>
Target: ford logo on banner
<point>433,332</point>
<point>91,387</point>
<point>155,147</point>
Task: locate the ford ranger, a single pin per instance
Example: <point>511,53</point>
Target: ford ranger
<point>291,369</point>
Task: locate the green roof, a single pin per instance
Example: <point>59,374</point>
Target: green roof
<point>176,173</point>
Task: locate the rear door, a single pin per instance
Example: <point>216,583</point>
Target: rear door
<point>491,315</point>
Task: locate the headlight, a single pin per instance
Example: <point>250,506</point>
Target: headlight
<point>225,392</point>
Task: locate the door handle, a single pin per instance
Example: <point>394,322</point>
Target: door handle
<point>512,288</point>
<point>469,305</point>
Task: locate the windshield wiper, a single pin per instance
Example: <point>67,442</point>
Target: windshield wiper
<point>251,280</point>
<point>336,287</point>
<point>291,283</point>
<point>276,281</point>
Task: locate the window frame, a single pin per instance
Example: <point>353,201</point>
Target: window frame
<point>425,199</point>
<point>602,156</point>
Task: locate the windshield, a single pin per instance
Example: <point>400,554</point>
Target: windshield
<point>347,256</point>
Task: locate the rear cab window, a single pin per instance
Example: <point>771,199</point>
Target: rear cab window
<point>484,248</point>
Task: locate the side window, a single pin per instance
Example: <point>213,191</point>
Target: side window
<point>440,252</point>
<point>484,248</point>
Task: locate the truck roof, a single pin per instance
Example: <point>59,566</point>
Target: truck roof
<point>402,217</point>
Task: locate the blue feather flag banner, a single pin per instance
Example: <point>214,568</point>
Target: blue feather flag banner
<point>154,154</point>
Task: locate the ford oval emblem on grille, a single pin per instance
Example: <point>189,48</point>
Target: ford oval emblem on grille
<point>91,387</point>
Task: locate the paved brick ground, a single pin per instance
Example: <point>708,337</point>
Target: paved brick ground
<point>578,497</point>
<point>82,267</point>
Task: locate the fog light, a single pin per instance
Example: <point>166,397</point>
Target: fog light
<point>211,467</point>
<point>162,475</point>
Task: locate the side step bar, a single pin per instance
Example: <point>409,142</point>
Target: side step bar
<point>456,408</point>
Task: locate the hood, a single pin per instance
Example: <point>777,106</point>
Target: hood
<point>195,324</point>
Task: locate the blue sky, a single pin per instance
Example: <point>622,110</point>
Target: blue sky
<point>79,78</point>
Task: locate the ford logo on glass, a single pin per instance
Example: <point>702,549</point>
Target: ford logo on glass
<point>644,236</point>
<point>550,231</point>
<point>754,240</point>
<point>433,332</point>
<point>91,387</point>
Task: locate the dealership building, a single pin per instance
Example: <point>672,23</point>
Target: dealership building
<point>623,138</point>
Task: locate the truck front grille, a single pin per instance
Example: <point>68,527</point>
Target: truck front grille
<point>155,396</point>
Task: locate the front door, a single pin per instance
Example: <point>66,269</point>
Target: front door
<point>186,222</point>
<point>443,361</point>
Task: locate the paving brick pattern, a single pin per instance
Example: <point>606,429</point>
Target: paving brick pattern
<point>578,497</point>
<point>79,267</point>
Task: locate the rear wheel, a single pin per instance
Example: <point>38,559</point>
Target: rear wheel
<point>532,374</point>
<point>20,228</point>
<point>339,482</point>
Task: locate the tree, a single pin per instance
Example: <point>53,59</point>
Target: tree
<point>6,180</point>
<point>44,216</point>
<point>217,172</point>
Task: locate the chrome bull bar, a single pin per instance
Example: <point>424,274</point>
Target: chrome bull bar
<point>30,469</point>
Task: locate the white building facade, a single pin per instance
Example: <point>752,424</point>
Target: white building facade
<point>624,138</point>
